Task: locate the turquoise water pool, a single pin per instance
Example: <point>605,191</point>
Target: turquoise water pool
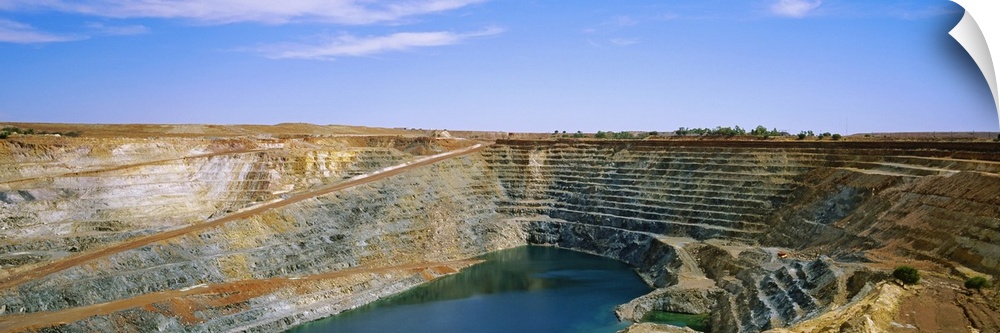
<point>525,289</point>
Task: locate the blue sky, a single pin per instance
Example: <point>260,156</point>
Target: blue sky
<point>844,66</point>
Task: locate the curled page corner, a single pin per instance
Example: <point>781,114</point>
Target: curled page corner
<point>970,35</point>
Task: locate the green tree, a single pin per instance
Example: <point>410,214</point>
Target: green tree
<point>836,136</point>
<point>623,135</point>
<point>977,282</point>
<point>906,274</point>
<point>601,135</point>
<point>578,134</point>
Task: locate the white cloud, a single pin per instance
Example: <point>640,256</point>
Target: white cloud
<point>795,8</point>
<point>123,30</point>
<point>351,46</point>
<point>668,16</point>
<point>263,11</point>
<point>622,21</point>
<point>15,32</point>
<point>623,41</point>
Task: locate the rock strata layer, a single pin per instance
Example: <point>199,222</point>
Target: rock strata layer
<point>760,235</point>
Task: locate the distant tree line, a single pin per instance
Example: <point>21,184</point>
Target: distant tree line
<point>10,130</point>
<point>760,132</point>
<point>622,135</point>
<point>719,131</point>
<point>809,134</point>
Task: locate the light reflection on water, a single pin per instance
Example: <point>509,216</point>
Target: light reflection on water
<point>525,289</point>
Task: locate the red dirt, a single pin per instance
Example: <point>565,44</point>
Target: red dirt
<point>944,306</point>
<point>186,302</point>
<point>197,130</point>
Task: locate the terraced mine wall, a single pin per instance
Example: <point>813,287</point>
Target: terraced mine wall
<point>248,234</point>
<point>707,220</point>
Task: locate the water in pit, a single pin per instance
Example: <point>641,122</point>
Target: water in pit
<point>525,289</point>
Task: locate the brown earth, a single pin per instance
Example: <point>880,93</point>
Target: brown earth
<point>306,129</point>
<point>944,305</point>
<point>196,130</point>
<point>184,303</point>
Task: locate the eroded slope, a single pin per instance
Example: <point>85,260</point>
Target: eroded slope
<point>846,212</point>
<point>761,235</point>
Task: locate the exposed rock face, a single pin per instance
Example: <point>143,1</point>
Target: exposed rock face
<point>678,298</point>
<point>420,217</point>
<point>835,201</point>
<point>702,221</point>
<point>656,328</point>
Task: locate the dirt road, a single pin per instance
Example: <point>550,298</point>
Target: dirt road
<point>59,265</point>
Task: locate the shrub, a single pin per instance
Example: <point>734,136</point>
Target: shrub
<point>906,274</point>
<point>977,282</point>
<point>836,136</point>
<point>4,134</point>
<point>601,135</point>
<point>802,136</point>
<point>623,135</point>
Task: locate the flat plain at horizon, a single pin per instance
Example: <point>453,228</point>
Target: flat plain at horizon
<point>308,129</point>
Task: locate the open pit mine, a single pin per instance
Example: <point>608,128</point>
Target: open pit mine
<point>255,230</point>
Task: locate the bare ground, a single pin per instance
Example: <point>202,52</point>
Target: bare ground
<point>183,303</point>
<point>943,305</point>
